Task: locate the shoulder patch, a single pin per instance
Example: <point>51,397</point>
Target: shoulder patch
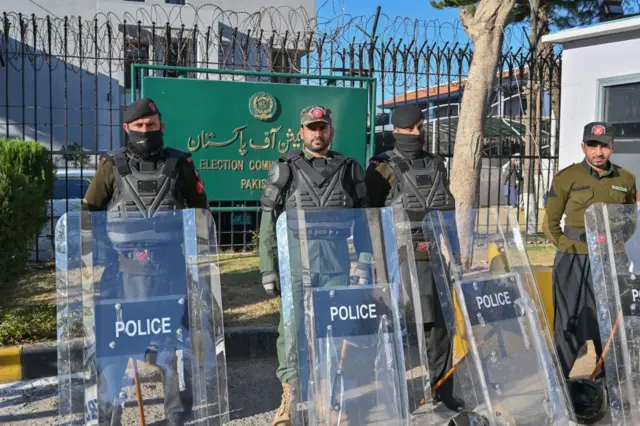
<point>200,186</point>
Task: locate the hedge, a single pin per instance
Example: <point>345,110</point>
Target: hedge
<point>26,183</point>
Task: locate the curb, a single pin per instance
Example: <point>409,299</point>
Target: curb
<point>40,360</point>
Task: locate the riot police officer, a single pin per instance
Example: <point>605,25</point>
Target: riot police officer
<point>573,189</point>
<point>300,180</point>
<point>415,180</point>
<point>145,162</point>
<point>129,182</point>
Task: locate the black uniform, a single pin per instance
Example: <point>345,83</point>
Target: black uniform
<point>411,178</point>
<point>130,183</point>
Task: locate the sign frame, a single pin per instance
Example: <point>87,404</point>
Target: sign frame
<point>368,83</point>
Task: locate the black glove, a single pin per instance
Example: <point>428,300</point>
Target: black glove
<point>271,284</point>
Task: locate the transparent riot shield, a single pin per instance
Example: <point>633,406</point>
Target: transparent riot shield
<point>140,331</point>
<point>614,253</point>
<point>510,372</point>
<point>347,321</point>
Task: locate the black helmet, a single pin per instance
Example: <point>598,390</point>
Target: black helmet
<point>589,399</point>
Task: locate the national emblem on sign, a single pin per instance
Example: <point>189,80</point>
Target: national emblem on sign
<point>262,106</point>
<point>598,130</point>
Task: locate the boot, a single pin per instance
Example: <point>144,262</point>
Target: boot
<point>283,415</point>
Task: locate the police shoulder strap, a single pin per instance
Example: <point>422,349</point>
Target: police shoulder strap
<point>173,156</point>
<point>122,164</point>
<point>400,162</point>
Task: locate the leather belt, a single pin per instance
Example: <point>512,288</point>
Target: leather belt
<point>575,234</point>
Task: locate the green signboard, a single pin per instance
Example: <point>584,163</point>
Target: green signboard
<point>235,130</point>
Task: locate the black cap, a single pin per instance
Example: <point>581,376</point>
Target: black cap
<point>598,131</point>
<point>406,116</point>
<point>144,107</point>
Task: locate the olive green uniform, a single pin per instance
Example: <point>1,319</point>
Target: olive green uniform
<point>104,186</point>
<point>380,178</point>
<point>573,190</point>
<point>329,261</point>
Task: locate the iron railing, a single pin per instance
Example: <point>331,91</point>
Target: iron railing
<point>66,80</point>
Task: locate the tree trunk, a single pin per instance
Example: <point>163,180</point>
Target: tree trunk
<point>539,79</point>
<point>485,28</point>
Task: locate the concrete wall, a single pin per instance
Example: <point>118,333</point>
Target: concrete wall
<point>587,64</point>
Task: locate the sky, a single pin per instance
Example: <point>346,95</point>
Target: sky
<point>438,26</point>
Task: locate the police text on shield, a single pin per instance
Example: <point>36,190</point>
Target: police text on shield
<point>353,312</point>
<point>493,300</point>
<point>144,328</point>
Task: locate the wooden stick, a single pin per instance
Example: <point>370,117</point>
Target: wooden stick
<point>342,352</point>
<point>138,392</point>
<point>606,348</point>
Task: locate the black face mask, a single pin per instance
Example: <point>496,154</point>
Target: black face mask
<point>145,145</point>
<point>409,145</point>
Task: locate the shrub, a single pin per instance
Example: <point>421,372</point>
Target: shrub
<point>27,324</point>
<point>26,177</point>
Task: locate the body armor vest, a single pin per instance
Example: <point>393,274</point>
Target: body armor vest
<point>322,184</point>
<point>148,191</point>
<point>418,187</point>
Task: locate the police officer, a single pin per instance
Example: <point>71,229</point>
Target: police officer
<point>573,190</point>
<point>300,179</point>
<point>415,180</point>
<point>129,182</point>
<point>145,160</point>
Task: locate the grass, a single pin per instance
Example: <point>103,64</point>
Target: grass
<point>541,255</point>
<point>27,308</point>
<point>28,311</point>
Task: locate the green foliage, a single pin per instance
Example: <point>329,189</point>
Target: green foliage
<point>26,177</point>
<point>27,324</point>
<point>74,155</point>
<point>561,14</point>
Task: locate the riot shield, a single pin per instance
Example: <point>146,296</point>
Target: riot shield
<point>348,317</point>
<point>494,311</point>
<point>614,252</point>
<point>140,332</point>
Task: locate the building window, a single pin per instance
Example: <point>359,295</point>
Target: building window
<point>139,1</point>
<point>622,109</point>
<point>175,1</point>
<point>136,52</point>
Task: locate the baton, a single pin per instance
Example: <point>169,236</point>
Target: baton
<point>606,348</point>
<point>334,398</point>
<point>138,392</point>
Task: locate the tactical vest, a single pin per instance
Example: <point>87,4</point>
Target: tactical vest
<point>322,186</point>
<point>418,187</point>
<point>145,191</point>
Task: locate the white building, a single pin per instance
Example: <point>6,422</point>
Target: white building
<point>66,82</point>
<point>601,81</point>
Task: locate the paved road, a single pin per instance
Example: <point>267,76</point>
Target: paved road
<point>254,395</point>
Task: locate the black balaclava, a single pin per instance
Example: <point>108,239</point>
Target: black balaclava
<point>405,117</point>
<point>145,145</point>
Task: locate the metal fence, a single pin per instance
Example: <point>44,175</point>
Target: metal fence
<point>66,81</point>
